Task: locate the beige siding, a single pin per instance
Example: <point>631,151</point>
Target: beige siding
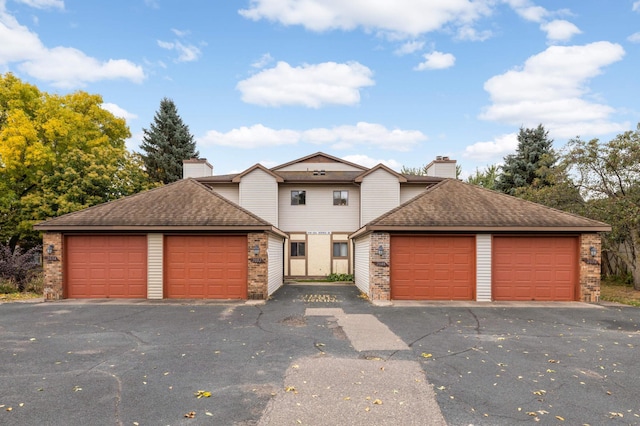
<point>275,256</point>
<point>229,191</point>
<point>362,262</point>
<point>334,167</point>
<point>259,195</point>
<point>155,243</point>
<point>341,265</point>
<point>319,213</point>
<point>443,170</point>
<point>408,192</point>
<point>380,192</point>
<point>483,268</point>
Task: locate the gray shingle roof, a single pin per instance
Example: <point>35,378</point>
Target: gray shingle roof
<point>452,205</point>
<point>185,204</point>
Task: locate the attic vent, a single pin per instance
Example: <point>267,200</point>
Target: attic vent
<point>439,157</point>
<point>316,173</point>
<point>445,158</point>
<point>322,173</point>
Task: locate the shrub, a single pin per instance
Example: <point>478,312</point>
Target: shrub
<point>18,267</point>
<point>340,277</point>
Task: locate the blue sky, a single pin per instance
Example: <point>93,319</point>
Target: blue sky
<point>371,81</point>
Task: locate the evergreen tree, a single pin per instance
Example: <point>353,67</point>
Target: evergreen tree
<point>166,144</point>
<point>532,163</point>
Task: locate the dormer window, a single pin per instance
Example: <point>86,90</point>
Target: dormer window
<point>340,198</point>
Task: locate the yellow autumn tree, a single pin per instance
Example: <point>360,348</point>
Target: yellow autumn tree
<point>58,154</point>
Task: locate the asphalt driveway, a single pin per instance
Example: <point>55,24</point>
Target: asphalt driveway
<point>314,354</point>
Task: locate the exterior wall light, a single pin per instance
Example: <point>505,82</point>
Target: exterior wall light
<point>256,250</point>
<point>50,249</point>
<point>380,250</point>
<point>593,251</point>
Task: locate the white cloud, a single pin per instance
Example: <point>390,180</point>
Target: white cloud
<point>180,33</point>
<point>492,150</point>
<point>256,136</point>
<point>634,38</point>
<point>340,137</point>
<point>409,47</point>
<point>550,89</point>
<point>264,60</point>
<point>436,61</point>
<point>312,86</point>
<point>560,30</point>
<point>43,4</point>
<point>636,6</point>
<point>526,10</point>
<point>186,53</point>
<point>471,34</point>
<point>118,111</point>
<point>61,66</point>
<point>369,162</point>
<point>400,17</point>
<point>366,134</point>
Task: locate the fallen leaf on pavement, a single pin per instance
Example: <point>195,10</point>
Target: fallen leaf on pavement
<point>202,394</point>
<point>190,415</point>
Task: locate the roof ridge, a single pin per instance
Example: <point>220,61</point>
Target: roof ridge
<point>533,203</point>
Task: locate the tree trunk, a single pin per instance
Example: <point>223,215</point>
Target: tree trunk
<point>635,262</point>
<point>13,242</point>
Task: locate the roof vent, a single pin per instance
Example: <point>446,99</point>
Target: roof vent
<point>322,173</point>
<point>445,158</point>
<point>315,173</point>
<point>439,157</point>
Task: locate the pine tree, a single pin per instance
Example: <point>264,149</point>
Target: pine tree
<point>166,144</point>
<point>532,163</point>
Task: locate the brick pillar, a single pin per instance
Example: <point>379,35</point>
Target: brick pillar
<point>590,268</point>
<point>379,276</point>
<point>52,265</point>
<point>258,278</point>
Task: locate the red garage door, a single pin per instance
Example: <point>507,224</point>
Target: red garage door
<point>100,266</point>
<point>535,268</point>
<point>206,267</point>
<point>432,267</point>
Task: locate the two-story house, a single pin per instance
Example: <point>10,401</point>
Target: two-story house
<point>241,236</point>
<point>319,200</point>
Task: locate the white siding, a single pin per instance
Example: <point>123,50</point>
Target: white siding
<point>196,170</point>
<point>229,191</point>
<point>276,256</point>
<point>362,262</point>
<point>319,213</point>
<point>380,192</point>
<point>154,265</point>
<point>334,167</point>
<point>259,195</point>
<point>407,192</point>
<point>483,268</point>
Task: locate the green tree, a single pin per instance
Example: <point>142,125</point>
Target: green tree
<point>166,144</point>
<point>485,178</point>
<point>608,176</point>
<point>532,163</point>
<point>58,154</point>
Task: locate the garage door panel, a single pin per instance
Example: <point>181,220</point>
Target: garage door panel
<point>432,267</point>
<point>535,268</point>
<point>106,266</point>
<point>211,267</point>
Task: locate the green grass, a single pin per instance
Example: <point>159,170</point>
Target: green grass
<point>612,290</point>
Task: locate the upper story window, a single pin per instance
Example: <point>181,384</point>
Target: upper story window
<point>340,198</point>
<point>298,198</point>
